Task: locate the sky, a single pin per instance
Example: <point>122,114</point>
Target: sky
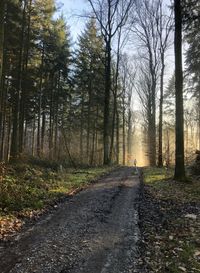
<point>71,10</point>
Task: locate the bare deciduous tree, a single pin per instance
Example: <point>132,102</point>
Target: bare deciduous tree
<point>145,30</point>
<point>106,12</point>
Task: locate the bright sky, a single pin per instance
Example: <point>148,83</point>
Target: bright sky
<point>71,10</point>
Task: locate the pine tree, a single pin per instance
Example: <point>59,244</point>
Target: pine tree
<point>89,76</point>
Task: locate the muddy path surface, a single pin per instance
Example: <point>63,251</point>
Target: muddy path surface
<point>96,231</point>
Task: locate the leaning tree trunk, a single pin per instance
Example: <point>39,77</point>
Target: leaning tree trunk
<point>179,155</point>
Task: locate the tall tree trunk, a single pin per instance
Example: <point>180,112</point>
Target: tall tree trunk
<point>107,102</point>
<point>123,130</point>
<point>40,105</point>
<point>93,144</point>
<point>24,86</point>
<point>56,107</point>
<point>129,135</point>
<point>199,116</point>
<point>117,135</point>
<point>88,121</point>
<point>43,131</point>
<point>160,130</point>
<point>2,15</point>
<point>153,126</point>
<point>33,137</point>
<point>25,134</point>
<point>115,94</point>
<point>3,117</point>
<point>179,155</point>
<point>51,121</point>
<point>81,132</point>
<point>3,135</point>
<point>56,130</point>
<point>96,136</point>
<point>17,97</point>
<point>7,157</point>
<point>168,150</point>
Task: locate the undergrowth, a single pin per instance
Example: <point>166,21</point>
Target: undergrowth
<point>27,188</point>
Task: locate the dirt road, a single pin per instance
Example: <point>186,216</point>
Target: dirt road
<point>96,231</point>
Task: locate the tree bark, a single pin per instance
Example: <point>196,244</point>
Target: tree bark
<point>89,120</point>
<point>2,15</point>
<point>179,154</point>
<point>16,108</point>
<point>40,105</point>
<point>160,130</point>
<point>107,102</point>
<point>117,135</point>
<point>81,132</point>
<point>115,94</point>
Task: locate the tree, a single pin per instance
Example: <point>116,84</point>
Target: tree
<point>144,27</point>
<point>89,90</point>
<point>111,15</point>
<point>144,91</point>
<point>164,28</point>
<point>35,78</point>
<point>2,21</point>
<point>2,17</point>
<point>191,20</point>
<point>179,155</point>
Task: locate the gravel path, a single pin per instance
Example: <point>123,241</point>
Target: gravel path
<point>96,231</point>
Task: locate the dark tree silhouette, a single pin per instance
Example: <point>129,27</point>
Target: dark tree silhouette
<point>179,155</point>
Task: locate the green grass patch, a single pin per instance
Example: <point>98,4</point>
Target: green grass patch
<point>161,181</point>
<point>29,187</point>
<point>153,174</point>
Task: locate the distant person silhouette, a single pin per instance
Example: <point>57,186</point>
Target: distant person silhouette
<point>135,164</point>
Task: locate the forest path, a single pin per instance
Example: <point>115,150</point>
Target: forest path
<point>96,231</point>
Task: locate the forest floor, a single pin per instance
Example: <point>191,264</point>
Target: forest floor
<point>112,225</point>
<point>95,230</point>
<point>30,189</point>
<point>169,223</point>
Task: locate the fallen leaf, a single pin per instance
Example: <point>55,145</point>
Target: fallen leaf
<point>191,216</point>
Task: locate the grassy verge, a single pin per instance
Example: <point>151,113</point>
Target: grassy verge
<point>170,222</point>
<point>26,190</point>
<point>161,181</point>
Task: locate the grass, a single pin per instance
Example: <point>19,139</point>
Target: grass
<point>161,180</point>
<point>26,189</point>
<point>176,255</point>
<point>153,174</point>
